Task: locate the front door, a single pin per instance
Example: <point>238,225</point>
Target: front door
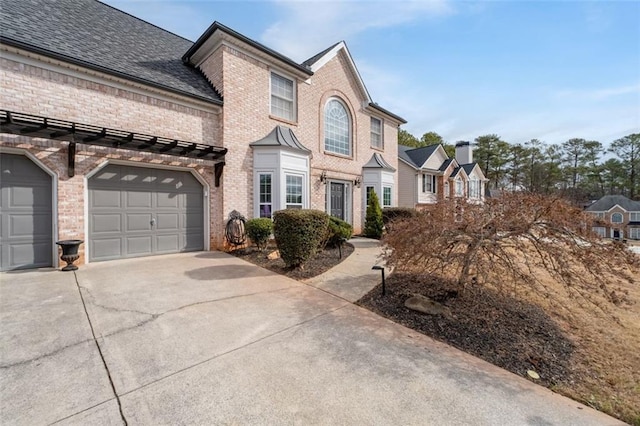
<point>336,200</point>
<point>617,234</point>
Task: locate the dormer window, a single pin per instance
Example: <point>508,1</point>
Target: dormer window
<point>282,97</point>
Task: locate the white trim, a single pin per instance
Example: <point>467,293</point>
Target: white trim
<point>31,59</point>
<point>351,124</point>
<point>54,196</point>
<point>205,196</point>
<point>294,101</point>
<point>619,206</point>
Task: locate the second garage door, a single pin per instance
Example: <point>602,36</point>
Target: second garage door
<point>139,211</point>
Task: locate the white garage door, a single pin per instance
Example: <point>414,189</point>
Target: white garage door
<point>139,211</point>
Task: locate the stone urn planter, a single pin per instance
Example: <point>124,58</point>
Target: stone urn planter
<point>69,253</point>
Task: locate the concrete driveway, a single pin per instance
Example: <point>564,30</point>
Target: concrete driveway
<point>205,338</point>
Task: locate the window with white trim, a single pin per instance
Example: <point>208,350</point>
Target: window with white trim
<point>369,190</point>
<point>474,188</point>
<point>265,204</point>
<point>376,133</point>
<point>600,231</point>
<point>634,233</point>
<point>337,128</point>
<point>429,183</point>
<point>293,192</point>
<point>598,215</point>
<point>617,218</point>
<point>386,196</point>
<point>634,217</point>
<point>459,188</point>
<point>282,97</point>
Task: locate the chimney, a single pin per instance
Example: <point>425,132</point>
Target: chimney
<point>464,152</point>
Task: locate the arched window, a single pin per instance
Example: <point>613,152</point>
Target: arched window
<point>616,218</point>
<point>337,128</point>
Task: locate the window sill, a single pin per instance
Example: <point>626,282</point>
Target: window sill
<point>283,120</point>
<point>334,154</point>
<point>381,149</point>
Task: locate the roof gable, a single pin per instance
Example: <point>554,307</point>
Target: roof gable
<point>416,157</point>
<point>96,36</point>
<point>608,202</point>
<point>474,169</point>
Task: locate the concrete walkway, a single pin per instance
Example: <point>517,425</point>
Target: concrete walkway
<point>353,277</point>
<point>206,338</point>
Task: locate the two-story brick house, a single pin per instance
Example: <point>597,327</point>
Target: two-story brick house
<point>140,142</point>
<point>618,217</point>
<point>427,174</point>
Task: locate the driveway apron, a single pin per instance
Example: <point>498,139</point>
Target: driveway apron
<point>206,338</point>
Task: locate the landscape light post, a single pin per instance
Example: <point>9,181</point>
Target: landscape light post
<point>381,269</point>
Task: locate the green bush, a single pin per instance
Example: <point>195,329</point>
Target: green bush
<point>373,220</point>
<point>259,230</point>
<point>337,232</point>
<point>390,214</point>
<point>298,234</point>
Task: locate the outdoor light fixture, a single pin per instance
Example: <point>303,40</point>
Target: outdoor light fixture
<point>381,269</point>
<point>323,177</point>
<point>357,182</point>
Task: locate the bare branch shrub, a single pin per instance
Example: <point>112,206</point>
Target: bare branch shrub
<point>517,242</point>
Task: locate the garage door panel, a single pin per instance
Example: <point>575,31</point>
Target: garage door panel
<point>139,222</point>
<point>162,212</point>
<point>138,199</point>
<point>168,243</point>
<point>105,198</point>
<point>139,245</point>
<point>105,222</point>
<point>168,221</point>
<point>32,196</point>
<point>168,199</point>
<point>26,225</point>
<point>30,226</point>
<point>106,248</point>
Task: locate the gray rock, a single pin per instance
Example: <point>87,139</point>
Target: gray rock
<point>423,304</point>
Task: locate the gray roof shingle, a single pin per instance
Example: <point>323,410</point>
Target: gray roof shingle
<point>98,36</point>
<point>416,156</point>
<point>378,162</point>
<point>608,201</point>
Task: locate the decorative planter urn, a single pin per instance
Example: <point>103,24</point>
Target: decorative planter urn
<point>69,253</point>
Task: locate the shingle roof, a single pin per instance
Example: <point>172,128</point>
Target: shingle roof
<point>281,136</point>
<point>378,162</point>
<point>445,164</point>
<point>416,156</point>
<point>98,36</point>
<point>312,60</point>
<point>608,201</point>
<point>468,168</point>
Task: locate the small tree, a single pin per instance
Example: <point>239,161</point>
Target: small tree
<point>518,241</point>
<point>373,220</point>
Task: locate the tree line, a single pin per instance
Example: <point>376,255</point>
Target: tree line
<point>578,169</point>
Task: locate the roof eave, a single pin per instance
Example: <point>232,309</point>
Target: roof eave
<point>388,113</point>
<point>64,58</point>
<point>218,26</point>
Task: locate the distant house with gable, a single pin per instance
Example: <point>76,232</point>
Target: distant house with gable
<point>619,217</point>
<point>427,174</point>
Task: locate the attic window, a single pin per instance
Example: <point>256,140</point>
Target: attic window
<point>282,97</point>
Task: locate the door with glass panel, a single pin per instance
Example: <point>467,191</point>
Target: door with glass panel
<point>336,199</point>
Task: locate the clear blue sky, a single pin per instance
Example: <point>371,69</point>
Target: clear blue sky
<point>551,70</point>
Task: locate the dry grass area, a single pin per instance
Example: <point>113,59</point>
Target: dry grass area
<point>579,350</point>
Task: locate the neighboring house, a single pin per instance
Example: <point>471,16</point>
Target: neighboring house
<point>619,217</point>
<point>427,174</point>
<point>140,142</point>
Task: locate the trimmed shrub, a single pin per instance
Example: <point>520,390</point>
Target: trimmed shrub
<point>373,220</point>
<point>390,214</point>
<point>259,230</point>
<point>337,231</point>
<point>298,234</point>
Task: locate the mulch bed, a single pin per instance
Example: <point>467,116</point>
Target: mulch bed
<point>321,262</point>
<point>508,332</point>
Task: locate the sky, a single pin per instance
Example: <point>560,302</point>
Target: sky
<point>550,70</point>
